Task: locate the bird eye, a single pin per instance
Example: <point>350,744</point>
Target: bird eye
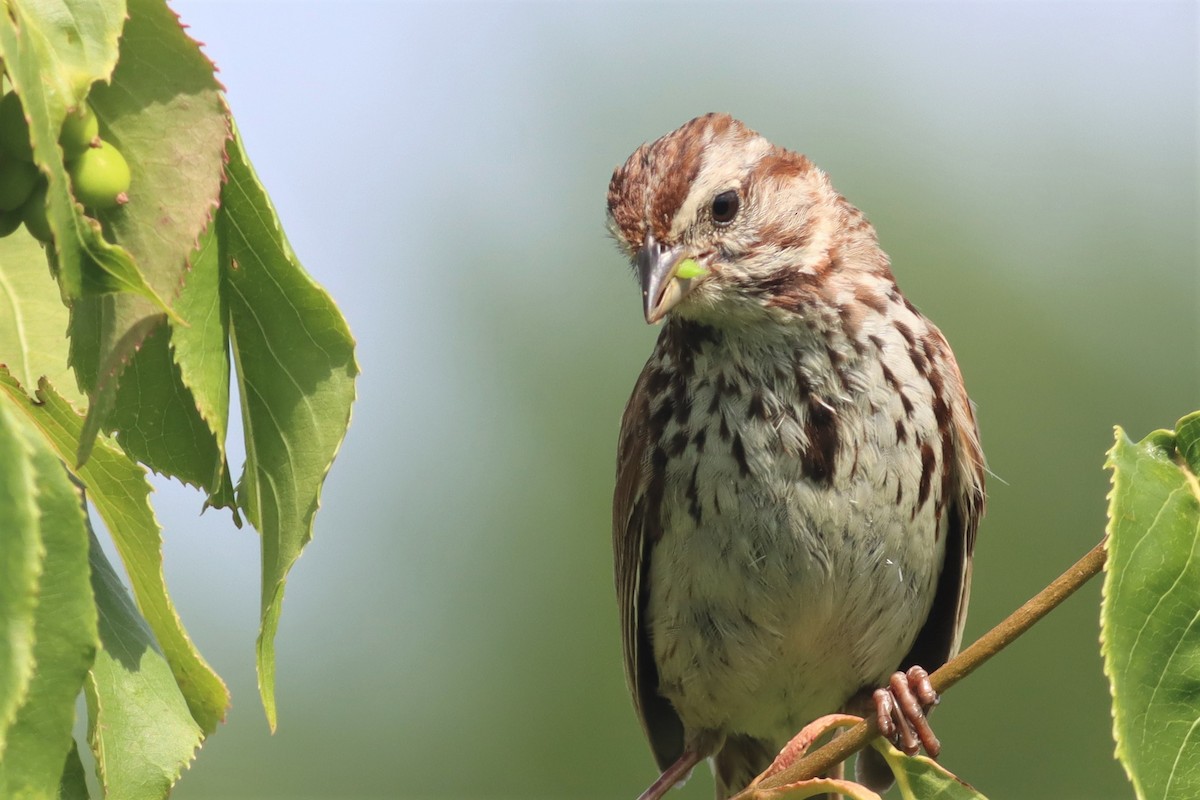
<point>725,207</point>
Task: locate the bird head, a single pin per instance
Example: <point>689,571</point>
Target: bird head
<point>721,225</point>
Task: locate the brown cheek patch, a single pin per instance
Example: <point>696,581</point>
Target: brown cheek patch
<point>793,289</point>
<point>790,289</point>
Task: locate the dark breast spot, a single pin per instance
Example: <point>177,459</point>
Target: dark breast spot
<point>941,409</point>
<point>660,417</point>
<point>928,462</point>
<point>657,381</point>
<point>683,405</point>
<point>919,360</point>
<point>906,332</point>
<point>890,377</point>
<point>706,625</point>
<point>803,384</point>
<point>869,297</point>
<point>758,408</point>
<point>818,460</point>
<point>693,496</point>
<point>931,347</point>
<point>728,387</point>
<point>739,455</point>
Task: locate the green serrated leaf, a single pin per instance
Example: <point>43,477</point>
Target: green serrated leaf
<point>74,780</point>
<point>33,319</point>
<point>163,109</point>
<point>20,568</point>
<point>201,350</point>
<point>139,725</point>
<point>1150,628</point>
<point>119,491</point>
<point>109,328</point>
<point>295,367</point>
<point>159,418</point>
<point>202,346</point>
<point>82,35</point>
<point>1188,432</point>
<point>53,52</point>
<point>73,785</point>
<point>922,778</point>
<point>158,422</point>
<point>65,637</point>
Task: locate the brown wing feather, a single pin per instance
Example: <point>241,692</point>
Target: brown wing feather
<point>940,637</point>
<point>632,520</point>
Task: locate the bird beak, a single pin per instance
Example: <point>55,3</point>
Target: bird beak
<point>662,287</point>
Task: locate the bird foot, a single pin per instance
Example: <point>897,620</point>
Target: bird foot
<point>900,710</point>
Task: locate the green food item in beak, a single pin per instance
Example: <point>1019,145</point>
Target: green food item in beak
<point>665,277</point>
<point>689,268</point>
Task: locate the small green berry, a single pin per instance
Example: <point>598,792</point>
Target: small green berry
<point>9,221</point>
<point>100,176</point>
<point>14,129</point>
<point>79,130</point>
<point>16,182</point>
<point>689,268</point>
<point>33,213</point>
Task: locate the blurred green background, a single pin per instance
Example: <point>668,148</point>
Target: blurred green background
<point>441,168</point>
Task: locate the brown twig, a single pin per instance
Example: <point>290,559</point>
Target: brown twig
<point>957,668</point>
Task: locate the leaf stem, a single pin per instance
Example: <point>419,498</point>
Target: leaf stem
<point>954,670</point>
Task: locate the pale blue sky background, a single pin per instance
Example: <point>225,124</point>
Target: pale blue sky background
<point>441,167</point>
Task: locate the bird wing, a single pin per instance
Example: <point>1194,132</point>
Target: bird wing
<point>940,637</point>
<point>635,528</point>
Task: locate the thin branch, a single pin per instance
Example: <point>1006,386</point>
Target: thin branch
<point>957,668</point>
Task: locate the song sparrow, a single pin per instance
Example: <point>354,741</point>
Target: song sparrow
<point>799,477</point>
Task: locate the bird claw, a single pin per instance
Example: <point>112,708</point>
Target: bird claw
<point>900,712</point>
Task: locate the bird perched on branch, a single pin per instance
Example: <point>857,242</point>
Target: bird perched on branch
<point>799,476</point>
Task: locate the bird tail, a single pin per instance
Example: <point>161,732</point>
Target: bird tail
<point>740,761</point>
